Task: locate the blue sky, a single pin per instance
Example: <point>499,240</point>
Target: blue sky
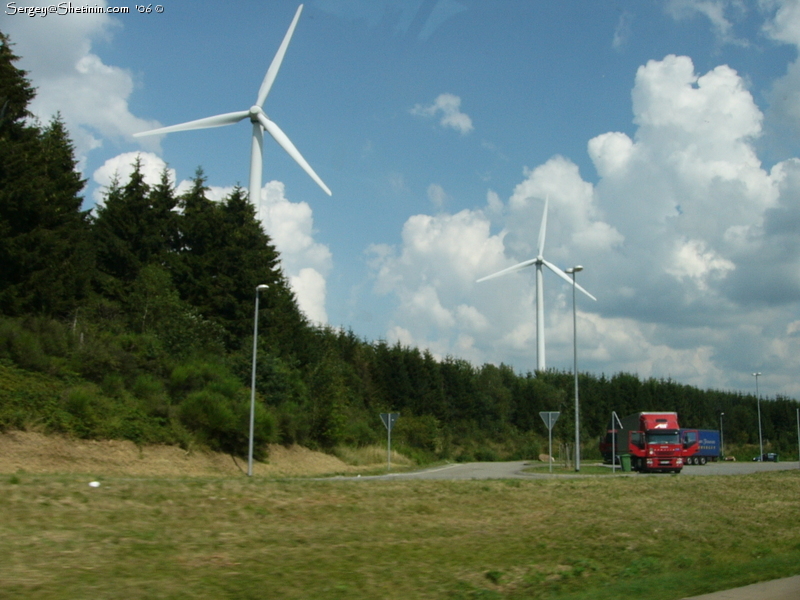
<point>663,133</point>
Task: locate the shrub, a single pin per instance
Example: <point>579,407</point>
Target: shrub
<point>84,406</point>
<point>222,419</point>
<point>358,433</point>
<point>152,395</point>
<point>22,346</point>
<point>293,426</point>
<point>421,432</point>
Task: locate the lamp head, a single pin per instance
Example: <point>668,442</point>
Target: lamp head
<point>575,269</point>
<point>262,287</point>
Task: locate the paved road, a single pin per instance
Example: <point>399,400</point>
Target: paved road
<point>778,589</point>
<point>514,470</point>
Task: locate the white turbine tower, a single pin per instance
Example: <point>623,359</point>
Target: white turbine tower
<point>260,123</point>
<point>539,261</point>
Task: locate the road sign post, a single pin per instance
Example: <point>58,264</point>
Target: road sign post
<point>388,422</point>
<point>549,418</point>
<point>614,430</point>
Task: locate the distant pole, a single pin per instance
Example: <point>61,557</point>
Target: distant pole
<point>253,386</point>
<point>388,422</point>
<point>721,436</point>
<point>758,403</point>
<point>798,436</point>
<point>572,271</point>
<point>613,444</point>
<point>549,418</point>
<point>614,418</point>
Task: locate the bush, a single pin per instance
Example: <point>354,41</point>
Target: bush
<point>358,433</point>
<point>293,426</point>
<point>210,414</point>
<point>98,355</point>
<point>152,395</point>
<point>217,408</point>
<point>199,375</point>
<point>85,407</point>
<point>22,346</point>
<point>421,432</point>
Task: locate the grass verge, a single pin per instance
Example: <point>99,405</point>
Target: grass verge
<point>604,537</point>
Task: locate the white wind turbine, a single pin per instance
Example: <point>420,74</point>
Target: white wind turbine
<point>260,123</point>
<point>539,261</point>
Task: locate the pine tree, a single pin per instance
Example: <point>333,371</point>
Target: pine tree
<point>135,227</point>
<point>16,91</point>
<point>44,246</point>
<point>224,255</point>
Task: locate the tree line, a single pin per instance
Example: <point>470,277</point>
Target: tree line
<point>135,321</point>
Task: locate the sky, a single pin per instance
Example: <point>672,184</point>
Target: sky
<point>664,135</point>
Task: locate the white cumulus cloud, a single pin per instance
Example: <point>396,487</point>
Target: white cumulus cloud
<point>688,242</point>
<point>91,96</point>
<point>448,108</point>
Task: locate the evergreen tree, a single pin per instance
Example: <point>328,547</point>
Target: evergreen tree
<point>16,91</point>
<point>224,256</point>
<point>132,230</point>
<point>44,246</point>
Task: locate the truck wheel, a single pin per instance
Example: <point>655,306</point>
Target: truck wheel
<point>703,460</point>
<point>689,460</point>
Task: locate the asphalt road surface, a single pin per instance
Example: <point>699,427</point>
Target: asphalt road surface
<point>514,470</point>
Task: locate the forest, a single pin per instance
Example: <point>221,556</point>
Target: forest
<point>134,321</point>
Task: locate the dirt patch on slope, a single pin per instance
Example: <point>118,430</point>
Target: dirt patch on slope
<point>37,453</point>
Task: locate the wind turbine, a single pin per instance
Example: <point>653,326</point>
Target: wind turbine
<point>260,123</point>
<point>539,261</point>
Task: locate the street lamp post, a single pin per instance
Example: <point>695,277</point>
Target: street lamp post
<point>721,436</point>
<point>758,403</point>
<point>260,288</point>
<point>572,271</point>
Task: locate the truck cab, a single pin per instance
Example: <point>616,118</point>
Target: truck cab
<point>652,439</point>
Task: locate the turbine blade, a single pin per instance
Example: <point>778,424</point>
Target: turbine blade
<point>566,277</point>
<point>272,72</point>
<point>543,227</point>
<point>516,267</point>
<point>216,121</point>
<point>287,145</point>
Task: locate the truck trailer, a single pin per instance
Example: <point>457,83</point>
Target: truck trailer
<point>700,446</point>
<point>652,439</point>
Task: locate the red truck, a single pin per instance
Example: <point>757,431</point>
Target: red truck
<point>652,439</point>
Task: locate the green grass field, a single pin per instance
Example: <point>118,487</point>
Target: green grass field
<point>601,537</point>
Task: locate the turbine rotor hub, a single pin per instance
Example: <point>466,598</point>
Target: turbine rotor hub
<point>254,112</point>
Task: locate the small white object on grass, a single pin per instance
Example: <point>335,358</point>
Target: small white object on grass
<point>94,484</point>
